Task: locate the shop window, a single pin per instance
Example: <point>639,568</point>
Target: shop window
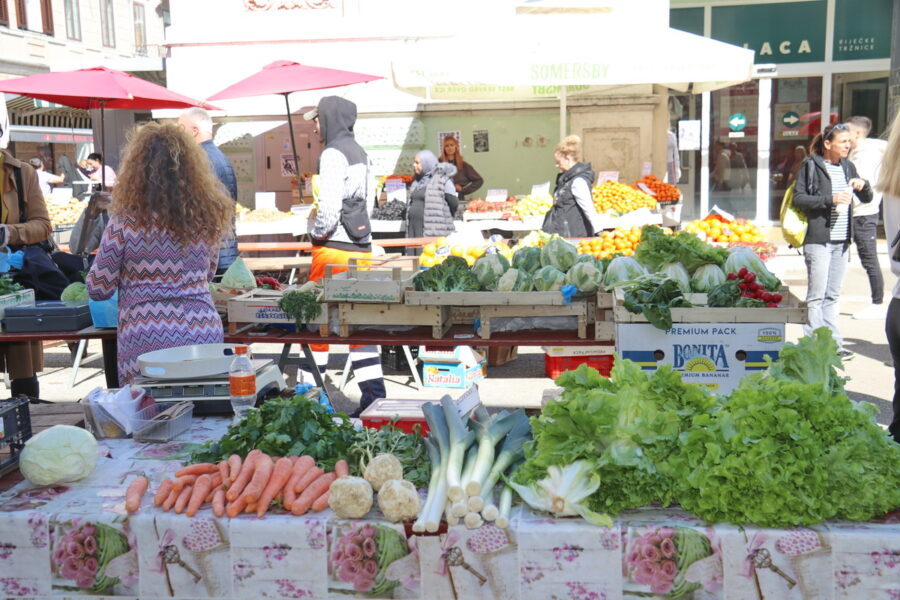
<point>107,23</point>
<point>4,13</point>
<point>140,30</point>
<point>73,20</point>
<point>733,149</point>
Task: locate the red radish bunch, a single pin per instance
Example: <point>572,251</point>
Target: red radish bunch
<point>751,289</point>
<point>268,283</point>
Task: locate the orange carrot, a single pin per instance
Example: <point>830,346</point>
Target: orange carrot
<point>341,468</point>
<point>301,466</point>
<point>235,508</point>
<point>201,489</point>
<point>170,501</point>
<point>234,467</point>
<point>240,482</point>
<point>321,503</point>
<point>218,502</point>
<point>280,474</point>
<point>262,471</point>
<point>308,477</point>
<point>183,497</point>
<point>251,507</point>
<point>162,492</point>
<point>223,470</point>
<point>318,487</point>
<point>293,459</point>
<point>197,469</point>
<point>135,493</point>
<point>183,481</point>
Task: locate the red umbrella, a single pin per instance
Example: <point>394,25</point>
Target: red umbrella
<point>283,77</point>
<point>101,88</point>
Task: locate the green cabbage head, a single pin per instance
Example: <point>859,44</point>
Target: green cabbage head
<point>559,253</point>
<point>489,269</point>
<point>586,277</point>
<point>622,268</point>
<point>238,276</point>
<point>60,454</point>
<point>548,279</point>
<point>706,277</point>
<point>527,259</point>
<point>75,292</point>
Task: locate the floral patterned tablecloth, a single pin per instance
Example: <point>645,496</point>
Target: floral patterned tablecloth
<point>77,541</point>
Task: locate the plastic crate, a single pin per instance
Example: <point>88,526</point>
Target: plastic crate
<point>393,357</point>
<point>554,366</point>
<point>15,430</point>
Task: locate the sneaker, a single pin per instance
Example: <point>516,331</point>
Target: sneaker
<point>873,312</point>
<point>846,354</point>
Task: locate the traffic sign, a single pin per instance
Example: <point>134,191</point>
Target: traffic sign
<point>737,121</point>
<point>791,119</point>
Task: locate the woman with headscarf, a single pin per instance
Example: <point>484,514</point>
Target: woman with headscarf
<point>432,197</point>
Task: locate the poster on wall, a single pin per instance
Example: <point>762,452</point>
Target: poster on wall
<point>288,166</point>
<point>481,141</point>
<point>442,135</point>
<point>788,120</point>
<point>793,89</point>
<point>689,134</point>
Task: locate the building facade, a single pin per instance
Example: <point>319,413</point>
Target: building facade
<point>37,36</point>
<point>818,62</point>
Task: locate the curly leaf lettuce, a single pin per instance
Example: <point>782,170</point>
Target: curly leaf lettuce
<point>657,248</point>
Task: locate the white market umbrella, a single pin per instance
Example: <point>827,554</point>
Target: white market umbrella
<point>528,58</point>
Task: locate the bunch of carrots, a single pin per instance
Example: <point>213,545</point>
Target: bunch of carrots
<point>249,485</point>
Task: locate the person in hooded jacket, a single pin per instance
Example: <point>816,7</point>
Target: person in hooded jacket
<point>432,198</point>
<point>342,230</point>
<point>573,213</point>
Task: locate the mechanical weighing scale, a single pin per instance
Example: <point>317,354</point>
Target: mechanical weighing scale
<point>210,393</point>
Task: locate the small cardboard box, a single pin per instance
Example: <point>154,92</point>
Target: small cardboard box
<point>578,350</point>
<point>459,367</point>
<point>715,355</point>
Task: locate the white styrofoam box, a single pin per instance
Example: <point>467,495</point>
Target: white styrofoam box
<point>578,350</point>
<point>716,355</point>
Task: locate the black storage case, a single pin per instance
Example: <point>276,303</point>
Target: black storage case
<point>47,316</point>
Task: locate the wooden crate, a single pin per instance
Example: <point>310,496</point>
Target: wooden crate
<point>578,308</point>
<point>600,313</point>
<point>350,313</point>
<point>791,310</point>
<point>370,280</point>
<point>414,298</point>
<point>261,306</point>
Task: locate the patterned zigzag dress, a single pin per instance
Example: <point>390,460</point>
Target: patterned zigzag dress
<point>164,299</point>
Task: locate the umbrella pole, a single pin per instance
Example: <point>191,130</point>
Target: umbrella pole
<point>287,106</point>
<point>102,149</point>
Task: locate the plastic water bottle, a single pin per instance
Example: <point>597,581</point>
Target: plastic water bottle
<point>241,383</point>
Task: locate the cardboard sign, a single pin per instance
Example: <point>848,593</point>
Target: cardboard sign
<point>540,189</point>
<point>646,190</point>
<point>607,176</point>
<point>469,401</point>
<point>646,169</point>
<point>497,196</point>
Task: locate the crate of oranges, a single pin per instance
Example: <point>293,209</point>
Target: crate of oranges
<point>618,198</point>
<point>716,229</point>
<point>663,193</point>
<point>621,240</point>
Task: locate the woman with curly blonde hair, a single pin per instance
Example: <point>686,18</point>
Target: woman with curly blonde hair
<point>160,248</point>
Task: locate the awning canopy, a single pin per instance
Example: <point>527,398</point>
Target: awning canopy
<point>529,58</point>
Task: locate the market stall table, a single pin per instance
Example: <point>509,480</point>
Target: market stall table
<point>107,337</point>
<point>154,554</point>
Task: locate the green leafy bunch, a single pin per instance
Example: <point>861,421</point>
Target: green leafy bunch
<point>657,248</point>
<point>654,295</point>
<point>285,427</point>
<point>409,448</point>
<point>627,424</point>
<point>789,448</point>
<point>452,275</point>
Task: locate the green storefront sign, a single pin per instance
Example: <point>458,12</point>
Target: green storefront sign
<point>792,32</point>
<point>687,19</point>
<point>862,29</point>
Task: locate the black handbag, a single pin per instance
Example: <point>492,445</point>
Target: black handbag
<point>39,272</point>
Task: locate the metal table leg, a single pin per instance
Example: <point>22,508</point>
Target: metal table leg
<point>412,367</point>
<point>311,361</point>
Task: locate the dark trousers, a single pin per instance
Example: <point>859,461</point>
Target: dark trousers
<point>864,229</point>
<point>892,330</point>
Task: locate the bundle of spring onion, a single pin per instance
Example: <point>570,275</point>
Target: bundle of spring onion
<point>468,459</point>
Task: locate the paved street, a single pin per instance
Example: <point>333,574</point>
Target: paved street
<point>522,382</point>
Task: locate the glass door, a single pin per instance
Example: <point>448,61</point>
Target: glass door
<point>733,148</point>
<point>796,119</point>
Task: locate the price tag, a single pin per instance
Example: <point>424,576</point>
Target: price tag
<point>469,401</point>
<point>646,169</point>
<point>497,196</point>
<point>607,176</point>
<point>646,190</point>
<point>397,194</point>
<point>542,189</point>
